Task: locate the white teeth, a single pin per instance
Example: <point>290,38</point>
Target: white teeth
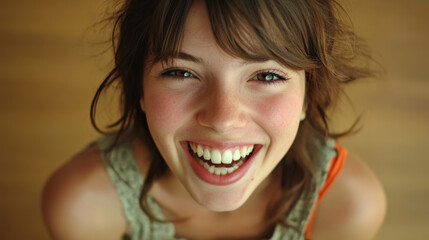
<point>237,155</point>
<point>211,169</point>
<point>199,151</point>
<point>249,150</point>
<point>206,154</point>
<point>244,152</point>
<point>206,165</point>
<point>218,157</point>
<point>215,156</point>
<point>226,157</point>
<point>220,170</point>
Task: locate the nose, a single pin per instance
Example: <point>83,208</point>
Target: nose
<point>222,111</point>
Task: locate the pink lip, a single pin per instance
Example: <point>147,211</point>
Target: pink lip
<point>221,145</point>
<point>204,175</point>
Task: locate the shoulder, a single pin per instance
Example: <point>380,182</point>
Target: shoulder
<point>354,207</point>
<point>80,202</point>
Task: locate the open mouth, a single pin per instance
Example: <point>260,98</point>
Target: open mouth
<point>223,162</point>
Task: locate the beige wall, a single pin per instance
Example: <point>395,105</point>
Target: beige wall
<point>49,69</point>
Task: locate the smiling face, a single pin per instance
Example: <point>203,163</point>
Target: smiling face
<point>221,123</point>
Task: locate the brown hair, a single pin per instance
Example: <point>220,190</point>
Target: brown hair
<point>309,35</point>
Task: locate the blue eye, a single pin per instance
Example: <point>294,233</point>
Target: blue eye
<point>178,73</point>
<point>268,77</point>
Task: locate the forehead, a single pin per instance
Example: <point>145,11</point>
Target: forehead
<point>232,28</point>
<point>197,30</point>
<point>198,38</point>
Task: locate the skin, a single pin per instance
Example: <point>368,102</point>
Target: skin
<point>221,104</point>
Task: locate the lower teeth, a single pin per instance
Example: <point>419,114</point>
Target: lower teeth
<point>221,170</point>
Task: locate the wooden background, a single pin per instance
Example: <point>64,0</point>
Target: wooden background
<point>51,64</point>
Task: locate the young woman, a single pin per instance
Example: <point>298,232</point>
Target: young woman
<point>224,129</point>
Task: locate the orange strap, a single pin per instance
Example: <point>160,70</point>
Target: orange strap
<point>335,167</point>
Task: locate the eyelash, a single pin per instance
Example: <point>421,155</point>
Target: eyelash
<point>270,77</point>
<point>173,73</point>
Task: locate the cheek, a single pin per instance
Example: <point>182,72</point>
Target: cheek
<point>281,112</point>
<point>160,111</point>
<point>165,112</point>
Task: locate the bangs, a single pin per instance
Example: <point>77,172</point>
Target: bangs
<point>166,31</point>
<point>262,30</point>
<point>251,30</point>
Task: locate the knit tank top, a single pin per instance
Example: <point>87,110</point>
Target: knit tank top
<point>122,169</point>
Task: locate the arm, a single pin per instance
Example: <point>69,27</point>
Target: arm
<point>353,208</point>
<point>80,202</point>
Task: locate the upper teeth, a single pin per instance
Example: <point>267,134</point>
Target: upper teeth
<point>218,157</point>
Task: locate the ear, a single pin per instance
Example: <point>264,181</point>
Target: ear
<point>303,113</point>
<point>142,107</point>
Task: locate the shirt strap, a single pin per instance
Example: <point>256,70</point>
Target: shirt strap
<point>335,167</point>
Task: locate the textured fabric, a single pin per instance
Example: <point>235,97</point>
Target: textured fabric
<point>335,168</point>
<point>122,169</point>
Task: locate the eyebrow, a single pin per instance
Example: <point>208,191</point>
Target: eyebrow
<point>188,57</point>
<point>183,56</point>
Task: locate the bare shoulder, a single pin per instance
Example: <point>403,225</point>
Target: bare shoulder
<point>354,207</point>
<point>80,202</point>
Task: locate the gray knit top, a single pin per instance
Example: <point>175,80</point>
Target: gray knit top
<point>122,169</point>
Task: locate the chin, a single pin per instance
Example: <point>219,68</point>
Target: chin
<point>222,202</point>
<point>221,198</point>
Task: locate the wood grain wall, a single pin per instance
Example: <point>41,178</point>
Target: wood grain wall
<point>50,66</point>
